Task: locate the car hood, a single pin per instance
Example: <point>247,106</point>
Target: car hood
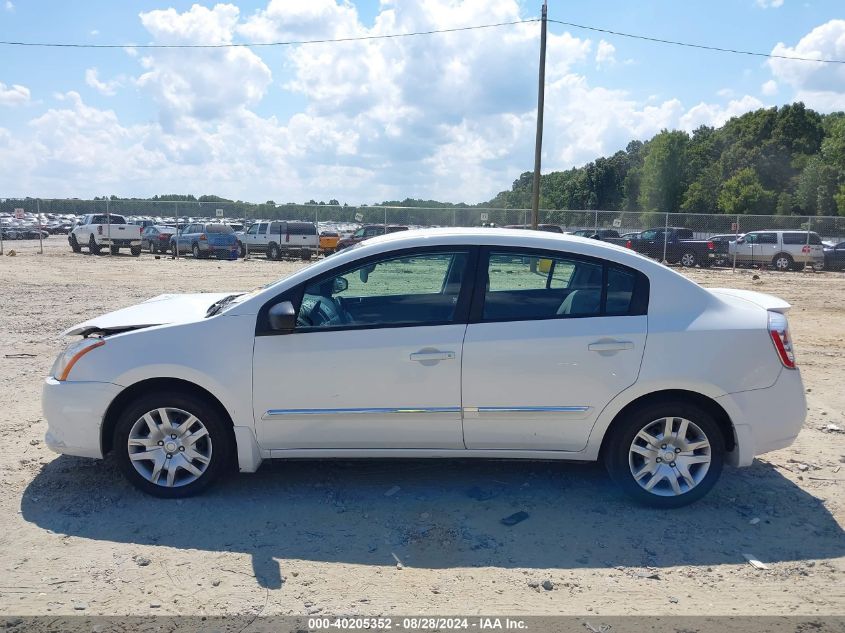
<point>160,310</point>
<point>767,302</point>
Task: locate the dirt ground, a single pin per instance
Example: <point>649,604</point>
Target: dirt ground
<point>324,537</point>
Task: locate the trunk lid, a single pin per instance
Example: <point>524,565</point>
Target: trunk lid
<point>767,302</point>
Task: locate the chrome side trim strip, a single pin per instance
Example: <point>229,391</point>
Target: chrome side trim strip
<point>532,409</point>
<point>279,413</point>
<point>275,413</point>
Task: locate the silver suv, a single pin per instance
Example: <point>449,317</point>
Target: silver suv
<point>783,250</point>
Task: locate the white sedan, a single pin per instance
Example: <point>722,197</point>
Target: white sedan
<point>439,343</point>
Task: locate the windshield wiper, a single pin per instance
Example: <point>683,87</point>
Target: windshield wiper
<point>218,305</point>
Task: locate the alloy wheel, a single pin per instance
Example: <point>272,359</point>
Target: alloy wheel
<point>169,447</point>
<point>669,456</point>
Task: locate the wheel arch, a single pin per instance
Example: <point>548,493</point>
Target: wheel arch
<point>160,384</point>
<point>707,403</point>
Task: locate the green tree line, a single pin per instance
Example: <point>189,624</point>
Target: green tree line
<point>784,161</point>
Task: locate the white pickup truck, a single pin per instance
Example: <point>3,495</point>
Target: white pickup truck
<point>97,231</point>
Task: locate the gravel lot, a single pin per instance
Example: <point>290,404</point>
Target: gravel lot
<point>323,537</point>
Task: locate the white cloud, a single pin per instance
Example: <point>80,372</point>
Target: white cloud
<point>769,4</point>
<point>94,32</point>
<point>769,88</point>
<point>819,85</point>
<point>13,95</point>
<point>448,116</point>
<point>714,114</point>
<point>108,88</point>
<point>9,6</point>
<point>605,54</point>
<point>203,83</point>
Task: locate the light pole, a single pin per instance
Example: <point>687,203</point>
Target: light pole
<point>538,144</point>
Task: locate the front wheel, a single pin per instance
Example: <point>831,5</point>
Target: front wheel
<point>665,455</point>
<point>74,245</point>
<point>114,250</point>
<point>135,251</point>
<point>172,444</point>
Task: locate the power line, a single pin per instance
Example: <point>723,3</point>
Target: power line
<point>285,43</point>
<point>701,46</point>
<point>387,36</point>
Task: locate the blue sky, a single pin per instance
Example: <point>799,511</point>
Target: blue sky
<point>446,116</point>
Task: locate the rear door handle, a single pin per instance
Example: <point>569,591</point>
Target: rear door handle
<point>610,346</point>
<point>423,356</point>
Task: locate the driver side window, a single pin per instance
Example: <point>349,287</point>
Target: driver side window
<point>414,289</point>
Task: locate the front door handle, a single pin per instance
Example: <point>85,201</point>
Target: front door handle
<point>610,346</point>
<point>430,355</point>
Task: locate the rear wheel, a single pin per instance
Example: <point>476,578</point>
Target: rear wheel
<point>306,256</point>
<point>665,455</point>
<point>688,259</point>
<point>242,249</point>
<point>273,251</point>
<point>172,444</point>
<point>114,250</point>
<point>151,248</point>
<point>93,247</point>
<point>195,249</point>
<point>135,251</point>
<point>782,262</point>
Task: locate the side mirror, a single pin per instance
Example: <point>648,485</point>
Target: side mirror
<point>339,285</point>
<point>364,273</point>
<point>282,317</point>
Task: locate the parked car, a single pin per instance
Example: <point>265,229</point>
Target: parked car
<point>783,250</point>
<point>549,228</point>
<point>367,232</point>
<point>483,343</point>
<point>156,238</point>
<point>97,231</point>
<point>678,245</point>
<point>597,234</point>
<point>142,223</point>
<point>280,238</point>
<point>328,241</point>
<point>834,257</point>
<point>205,239</point>
<point>722,248</point>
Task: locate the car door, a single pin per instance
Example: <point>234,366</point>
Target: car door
<point>651,242</point>
<point>552,339</point>
<point>375,359</point>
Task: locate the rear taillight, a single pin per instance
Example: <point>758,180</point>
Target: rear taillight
<point>628,244</point>
<point>779,331</point>
<point>711,246</point>
<point>805,249</point>
<point>202,236</point>
<point>163,237</point>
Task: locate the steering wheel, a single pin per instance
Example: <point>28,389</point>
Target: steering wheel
<point>320,312</point>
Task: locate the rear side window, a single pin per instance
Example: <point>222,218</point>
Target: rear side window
<point>302,228</point>
<point>529,286</point>
<point>219,228</point>
<point>802,238</point>
<point>277,228</point>
<point>767,238</point>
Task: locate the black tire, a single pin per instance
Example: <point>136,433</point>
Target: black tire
<point>135,251</point>
<point>783,262</point>
<point>241,250</point>
<point>273,251</point>
<point>195,249</point>
<point>688,259</point>
<point>93,247</point>
<point>74,245</point>
<point>114,250</point>
<point>621,437</point>
<point>306,256</point>
<point>152,249</point>
<point>219,433</point>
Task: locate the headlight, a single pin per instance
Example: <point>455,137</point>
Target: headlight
<point>72,353</point>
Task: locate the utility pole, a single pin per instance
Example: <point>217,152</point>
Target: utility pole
<point>538,146</point>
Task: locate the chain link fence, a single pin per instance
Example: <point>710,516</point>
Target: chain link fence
<point>31,223</point>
